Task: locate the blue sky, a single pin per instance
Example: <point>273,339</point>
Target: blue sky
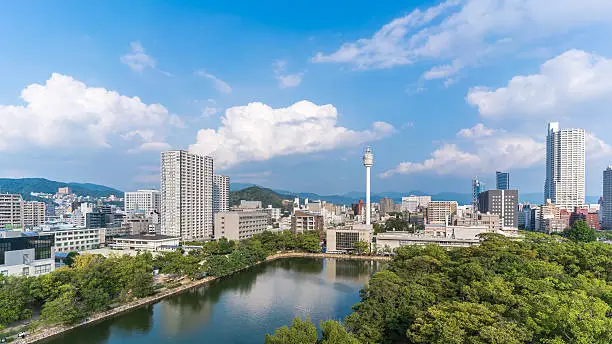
<point>287,95</point>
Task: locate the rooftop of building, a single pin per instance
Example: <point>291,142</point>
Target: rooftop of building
<point>147,237</point>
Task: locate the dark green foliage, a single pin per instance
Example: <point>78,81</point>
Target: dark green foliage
<point>540,290</point>
<point>69,260</point>
<point>581,232</point>
<point>397,224</point>
<point>24,186</point>
<point>70,294</point>
<point>300,332</point>
<point>304,332</point>
<point>256,193</point>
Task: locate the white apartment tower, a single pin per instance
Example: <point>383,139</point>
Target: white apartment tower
<point>221,188</point>
<point>11,210</point>
<point>34,214</point>
<point>606,209</point>
<point>565,167</point>
<point>143,201</point>
<point>186,195</point>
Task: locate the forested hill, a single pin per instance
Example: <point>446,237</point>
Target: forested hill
<point>24,186</point>
<point>256,193</point>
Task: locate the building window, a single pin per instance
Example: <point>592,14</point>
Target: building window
<point>42,253</point>
<point>26,271</point>
<point>42,269</point>
<point>346,240</point>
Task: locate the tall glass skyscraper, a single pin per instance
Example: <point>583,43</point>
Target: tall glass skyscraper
<point>606,209</point>
<point>565,167</point>
<point>503,180</point>
<point>478,186</point>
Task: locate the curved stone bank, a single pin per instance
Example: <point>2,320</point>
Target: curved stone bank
<point>60,329</point>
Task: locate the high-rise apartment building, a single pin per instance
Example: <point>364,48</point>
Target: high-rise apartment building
<point>186,195</point>
<point>413,203</point>
<point>503,180</point>
<point>565,167</point>
<point>441,212</point>
<point>142,201</point>
<point>11,210</point>
<point>606,206</point>
<point>478,186</point>
<point>221,189</point>
<point>34,214</point>
<point>386,205</point>
<point>503,203</point>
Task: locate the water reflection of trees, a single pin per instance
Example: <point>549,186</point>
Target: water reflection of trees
<point>300,265</point>
<point>139,320</point>
<point>189,311</point>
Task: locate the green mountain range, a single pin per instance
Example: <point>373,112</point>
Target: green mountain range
<point>25,186</point>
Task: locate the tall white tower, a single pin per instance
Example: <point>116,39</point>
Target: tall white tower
<point>368,161</point>
<point>565,167</point>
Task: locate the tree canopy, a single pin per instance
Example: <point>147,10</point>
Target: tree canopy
<point>543,289</point>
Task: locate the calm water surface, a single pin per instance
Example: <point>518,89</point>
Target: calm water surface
<point>241,308</point>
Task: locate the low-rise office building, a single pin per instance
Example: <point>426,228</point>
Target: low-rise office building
<point>26,254</point>
<point>78,239</point>
<point>146,242</point>
<point>302,221</point>
<point>390,241</point>
<point>343,239</point>
<point>240,225</point>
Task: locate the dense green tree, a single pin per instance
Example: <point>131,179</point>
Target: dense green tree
<point>334,333</point>
<point>69,260</point>
<point>300,332</point>
<point>362,247</point>
<point>581,232</point>
<point>396,224</point>
<point>65,309</point>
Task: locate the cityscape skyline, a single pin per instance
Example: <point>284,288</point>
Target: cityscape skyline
<point>172,92</point>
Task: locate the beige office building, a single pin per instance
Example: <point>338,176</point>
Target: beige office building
<point>240,225</point>
<point>439,212</point>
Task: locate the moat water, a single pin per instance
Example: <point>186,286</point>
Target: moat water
<point>240,308</point>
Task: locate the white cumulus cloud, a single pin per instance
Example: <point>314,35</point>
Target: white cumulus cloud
<point>489,151</point>
<point>65,112</point>
<point>573,77</point>
<point>486,155</point>
<point>137,59</point>
<point>477,131</point>
<point>596,148</point>
<point>286,80</point>
<point>460,33</point>
<point>219,84</point>
<point>258,132</point>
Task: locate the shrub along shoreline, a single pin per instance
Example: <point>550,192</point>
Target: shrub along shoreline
<point>95,288</point>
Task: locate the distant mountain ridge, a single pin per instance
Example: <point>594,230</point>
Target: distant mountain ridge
<point>355,196</point>
<point>25,186</point>
<point>257,193</point>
